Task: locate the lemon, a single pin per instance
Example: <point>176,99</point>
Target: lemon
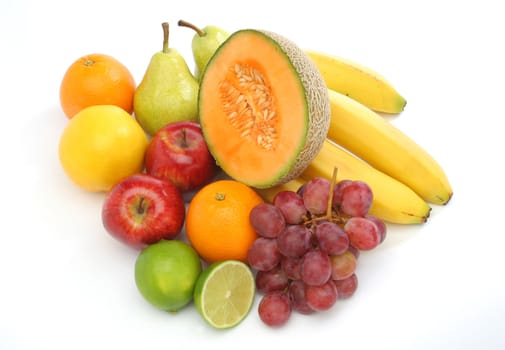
<point>101,145</point>
<point>166,273</point>
<point>224,293</point>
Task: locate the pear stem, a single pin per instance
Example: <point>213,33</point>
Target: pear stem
<point>183,23</point>
<point>165,36</point>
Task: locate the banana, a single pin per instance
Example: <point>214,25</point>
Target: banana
<point>375,140</point>
<point>358,82</point>
<point>392,201</point>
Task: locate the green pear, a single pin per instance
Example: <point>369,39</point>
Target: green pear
<point>168,91</point>
<point>205,42</point>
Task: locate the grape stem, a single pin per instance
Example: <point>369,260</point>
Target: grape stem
<point>330,215</point>
<point>336,218</point>
<point>330,197</point>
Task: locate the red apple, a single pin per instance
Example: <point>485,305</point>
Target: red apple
<point>178,153</point>
<point>142,209</point>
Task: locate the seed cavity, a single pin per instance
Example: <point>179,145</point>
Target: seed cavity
<point>248,102</point>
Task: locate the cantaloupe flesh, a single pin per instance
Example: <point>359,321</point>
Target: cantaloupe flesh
<point>242,157</point>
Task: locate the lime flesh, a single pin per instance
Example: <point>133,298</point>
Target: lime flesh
<point>224,293</point>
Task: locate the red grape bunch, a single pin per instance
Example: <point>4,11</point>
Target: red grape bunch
<point>309,241</point>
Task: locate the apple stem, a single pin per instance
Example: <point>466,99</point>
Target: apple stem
<point>183,23</point>
<point>165,36</point>
<point>140,207</point>
<point>184,139</point>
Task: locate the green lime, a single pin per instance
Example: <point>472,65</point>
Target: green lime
<point>166,273</point>
<point>224,293</point>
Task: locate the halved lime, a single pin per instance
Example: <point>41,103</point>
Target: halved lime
<point>224,293</point>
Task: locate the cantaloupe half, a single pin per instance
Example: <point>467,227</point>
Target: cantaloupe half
<point>263,107</point>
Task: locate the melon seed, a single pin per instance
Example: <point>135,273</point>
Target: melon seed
<point>249,105</point>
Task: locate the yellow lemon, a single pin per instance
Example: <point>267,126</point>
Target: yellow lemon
<point>101,145</point>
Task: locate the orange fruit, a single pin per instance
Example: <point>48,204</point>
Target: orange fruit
<point>217,220</point>
<point>96,79</point>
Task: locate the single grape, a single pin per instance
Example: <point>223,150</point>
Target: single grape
<point>316,194</point>
<point>337,192</point>
<point>267,220</point>
<point>363,233</point>
<point>347,287</point>
<point>275,309</point>
<point>343,265</point>
<point>300,190</point>
<point>321,298</point>
<point>331,238</point>
<point>291,206</point>
<point>315,268</point>
<point>291,266</point>
<point>355,251</point>
<point>264,254</point>
<point>271,280</point>
<point>294,241</point>
<point>356,199</point>
<point>296,294</point>
<point>381,225</point>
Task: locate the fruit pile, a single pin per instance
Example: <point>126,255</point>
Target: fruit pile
<point>285,128</point>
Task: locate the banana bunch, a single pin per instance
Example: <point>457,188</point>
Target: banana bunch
<point>362,145</point>
<point>378,142</point>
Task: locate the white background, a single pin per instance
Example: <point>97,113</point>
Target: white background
<point>66,284</point>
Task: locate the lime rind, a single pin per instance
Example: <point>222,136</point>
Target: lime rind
<point>224,293</point>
